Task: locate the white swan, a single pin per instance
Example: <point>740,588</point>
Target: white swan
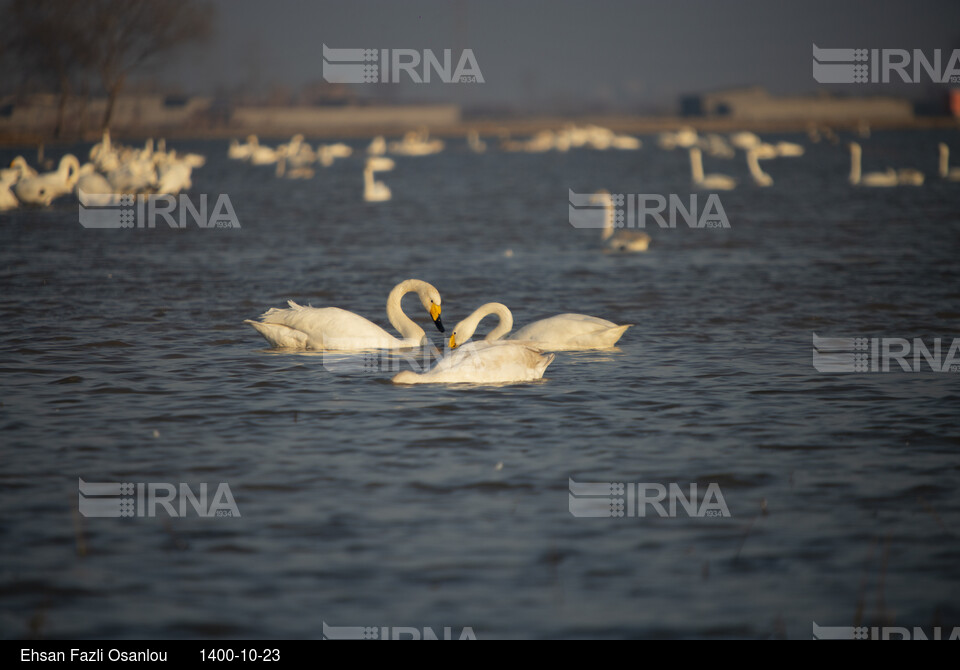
<point>43,189</point>
<point>476,145</point>
<point>622,240</point>
<point>874,179</point>
<point>483,363</point>
<point>789,149</point>
<point>8,200</point>
<point>294,172</point>
<point>93,189</point>
<point>332,328</point>
<point>910,177</point>
<point>947,172</point>
<point>745,140</point>
<point>380,164</point>
<point>716,182</point>
<point>378,146</point>
<point>374,191</point>
<point>241,152</point>
<point>22,167</point>
<point>563,332</point>
<point>760,177</point>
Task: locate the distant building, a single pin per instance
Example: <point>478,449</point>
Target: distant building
<point>756,104</point>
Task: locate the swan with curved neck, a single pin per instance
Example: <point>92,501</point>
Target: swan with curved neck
<point>332,328</point>
<point>43,189</point>
<point>947,172</point>
<point>874,179</point>
<point>618,240</point>
<point>716,182</point>
<point>563,332</point>
<point>374,191</point>
<point>760,177</point>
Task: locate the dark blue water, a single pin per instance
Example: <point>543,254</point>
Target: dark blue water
<point>123,357</point>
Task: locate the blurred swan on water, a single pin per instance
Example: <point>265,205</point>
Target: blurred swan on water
<point>717,182</point>
<point>8,200</point>
<point>873,179</point>
<point>947,172</point>
<point>93,189</point>
<point>332,328</point>
<point>476,145</point>
<point>43,189</point>
<point>760,177</point>
<point>619,240</point>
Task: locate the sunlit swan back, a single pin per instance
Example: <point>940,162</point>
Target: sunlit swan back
<point>332,328</point>
<point>500,362</point>
<point>716,182</point>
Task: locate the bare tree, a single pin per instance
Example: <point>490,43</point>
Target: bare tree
<point>51,43</point>
<point>130,34</point>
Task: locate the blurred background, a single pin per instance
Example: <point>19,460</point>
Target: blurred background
<point>218,67</point>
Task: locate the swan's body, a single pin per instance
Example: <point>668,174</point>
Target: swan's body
<point>715,182</point>
<point>93,189</point>
<point>416,143</point>
<point>947,172</point>
<point>789,149</point>
<point>375,191</point>
<point>683,138</point>
<point>332,328</point>
<point>625,143</point>
<point>476,145</point>
<point>378,146</point>
<point>873,179</point>
<point>745,140</point>
<point>22,167</point>
<point>629,241</point>
<point>380,164</point>
<point>760,177</point>
<point>294,172</point>
<point>910,177</point>
<point>563,332</point>
<point>174,176</point>
<point>483,363</point>
<point>43,189</point>
<point>8,200</point>
<point>571,332</point>
<point>240,152</point>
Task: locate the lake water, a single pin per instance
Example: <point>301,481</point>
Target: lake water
<point>124,359</point>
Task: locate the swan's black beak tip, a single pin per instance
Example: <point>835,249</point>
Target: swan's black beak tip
<point>439,324</point>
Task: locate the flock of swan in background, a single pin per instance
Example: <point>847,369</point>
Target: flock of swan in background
<point>113,170</point>
<point>497,359</point>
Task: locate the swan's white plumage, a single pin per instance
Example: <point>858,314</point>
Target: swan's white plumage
<point>500,362</point>
<point>569,332</point>
<point>563,332</point>
<point>335,329</point>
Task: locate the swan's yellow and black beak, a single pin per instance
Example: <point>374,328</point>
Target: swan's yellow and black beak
<point>435,315</point>
<point>453,341</point>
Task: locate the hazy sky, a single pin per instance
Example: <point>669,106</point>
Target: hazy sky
<point>539,53</point>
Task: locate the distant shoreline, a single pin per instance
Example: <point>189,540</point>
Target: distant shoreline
<point>488,127</point>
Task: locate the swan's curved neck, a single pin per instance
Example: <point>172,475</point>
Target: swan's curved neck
<point>753,163</point>
<point>400,321</point>
<point>696,165</point>
<point>608,217</point>
<point>505,325</point>
<point>944,160</point>
<point>854,164</point>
